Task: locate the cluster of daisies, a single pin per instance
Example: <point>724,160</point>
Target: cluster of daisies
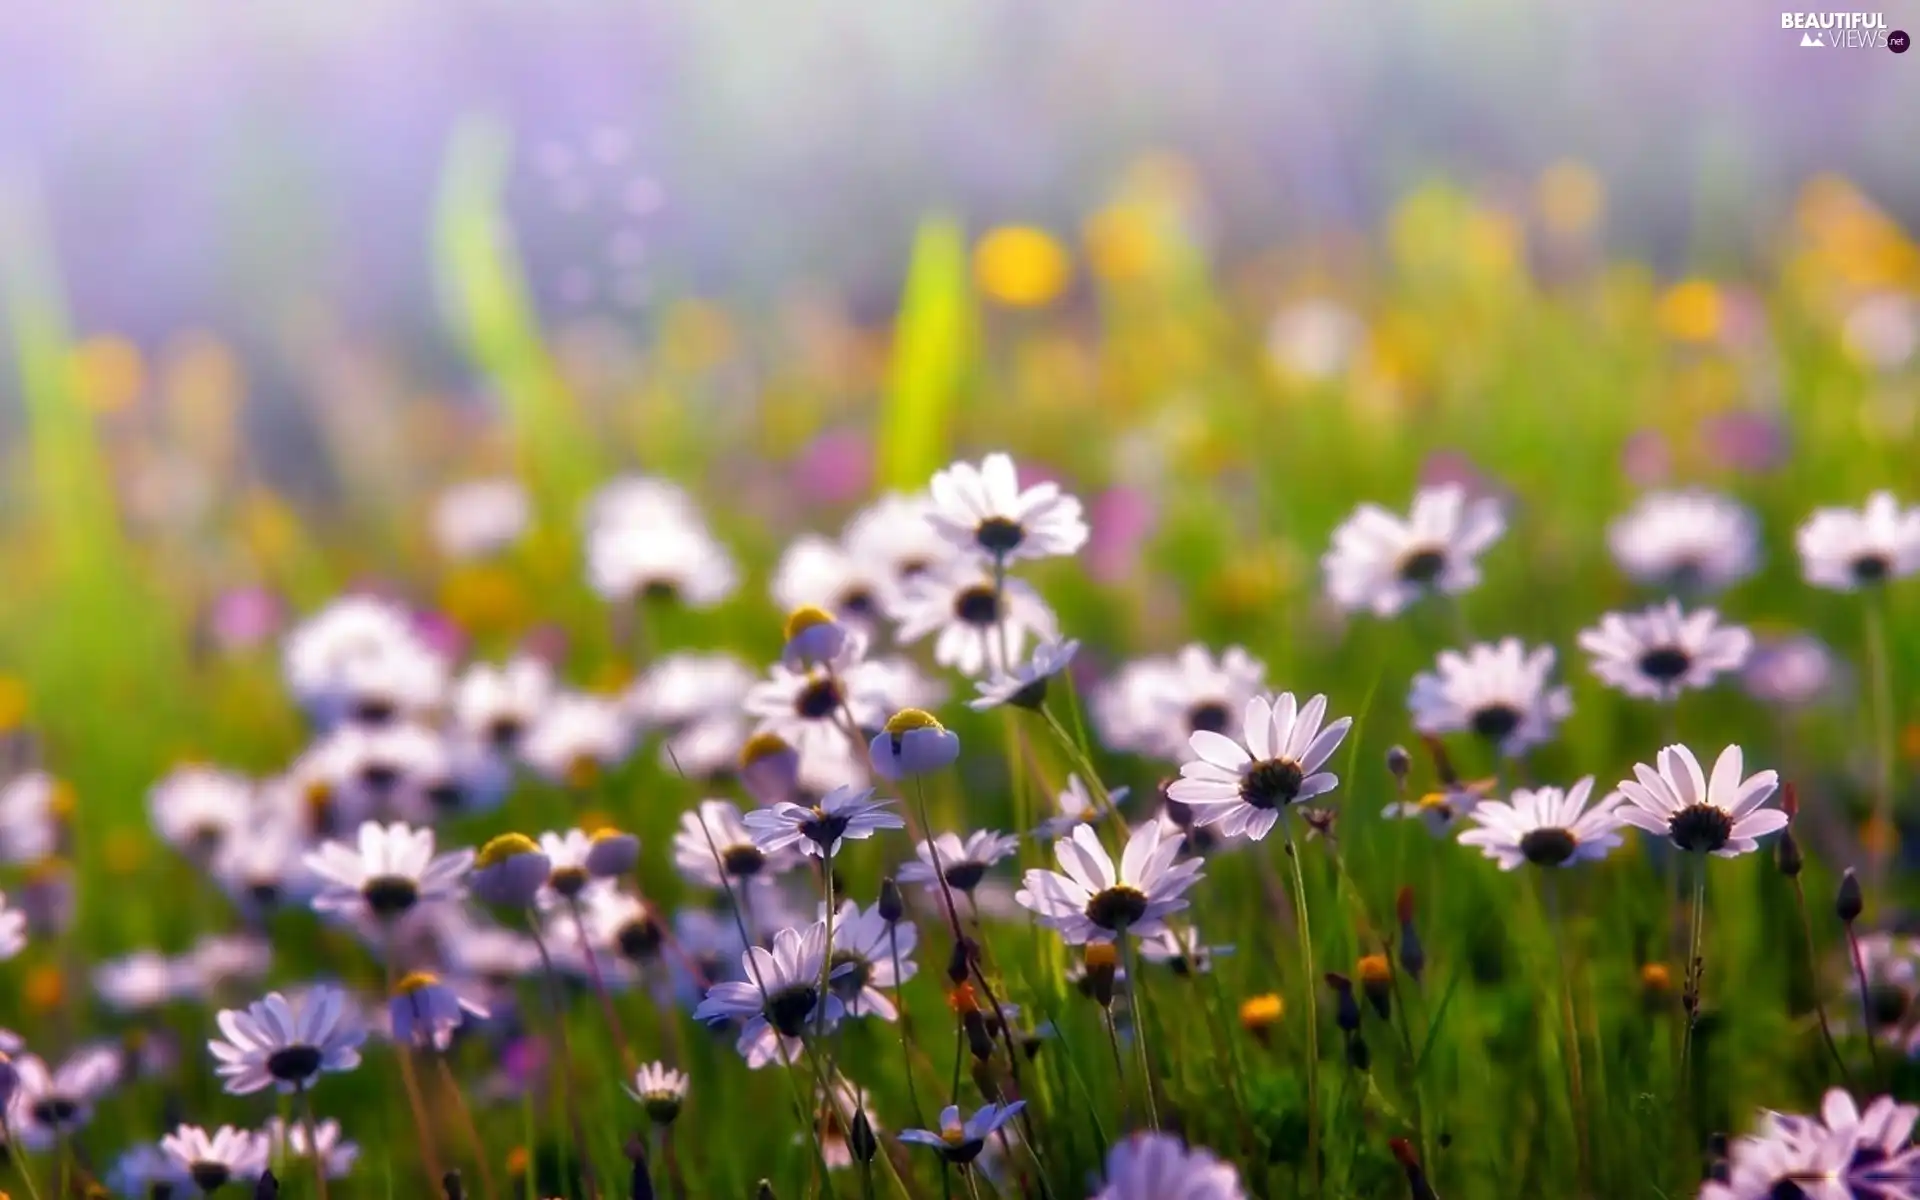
<point>798,756</point>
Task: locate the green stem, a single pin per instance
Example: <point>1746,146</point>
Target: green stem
<point>1137,988</point>
<point>1570,1033</point>
<point>1819,1000</point>
<point>1881,682</point>
<point>1313,1003</point>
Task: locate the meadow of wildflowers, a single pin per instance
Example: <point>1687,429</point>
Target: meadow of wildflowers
<point>1433,718</point>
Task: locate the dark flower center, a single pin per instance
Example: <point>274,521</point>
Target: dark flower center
<point>1209,715</point>
<point>823,828</point>
<point>998,535</point>
<point>744,860</point>
<point>818,700</point>
<point>292,1064</point>
<point>1031,695</point>
<point>660,591</point>
<point>504,732</point>
<point>1664,664</point>
<point>445,795</point>
<point>207,836</point>
<point>55,1111</point>
<point>1496,721</point>
<point>964,1152</point>
<point>859,601</point>
<point>379,777</point>
<point>210,1176</point>
<point>662,1107</point>
<point>977,605</point>
<point>1271,783</point>
<point>1888,1003</point>
<point>568,881</point>
<point>640,939</point>
<point>965,875</point>
<point>1548,847</point>
<point>910,568</point>
<point>264,892</point>
<point>1701,828</point>
<point>849,984</point>
<point>788,1010</point>
<point>1117,907</point>
<point>1786,1189</point>
<point>374,710</point>
<point>1423,566</point>
<point>1871,568</point>
<point>390,895</point>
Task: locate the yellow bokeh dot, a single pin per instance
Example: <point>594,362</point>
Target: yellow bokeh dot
<point>1692,311</point>
<point>485,599</point>
<point>1122,242</point>
<point>125,851</point>
<point>1571,197</point>
<point>1021,266</point>
<point>45,988</point>
<point>108,374</point>
<point>13,703</point>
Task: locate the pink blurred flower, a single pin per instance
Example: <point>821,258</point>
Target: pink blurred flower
<point>440,634</point>
<point>1120,520</point>
<point>244,618</point>
<point>1745,441</point>
<point>837,468</point>
<point>1646,459</point>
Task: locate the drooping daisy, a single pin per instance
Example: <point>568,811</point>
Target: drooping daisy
<point>214,1160</point>
<point>360,658</point>
<point>984,511</point>
<point>817,829</point>
<point>1843,549</point>
<point>960,1142</point>
<point>975,622</point>
<point>1092,902</point>
<point>1382,563</point>
<point>963,863</point>
<point>1720,816</point>
<point>50,1104</point>
<point>385,770</point>
<point>714,829</point>
<point>1500,692</point>
<point>423,1011</point>
<point>1159,1166</point>
<point>1154,705</point>
<point>780,1000</point>
<point>660,1090</point>
<point>577,740</point>
<point>1694,541</point>
<point>13,930</point>
<point>497,705</point>
<point>1246,787</point>
<point>655,548</point>
<point>480,517</point>
<point>195,809</point>
<point>392,870</point>
<point>335,1153</point>
<point>286,1044</point>
<point>1659,653</point>
<point>1545,827</point>
<point>865,946</point>
<point>1077,807</point>
<point>699,702</point>
<point>808,709</point>
<point>1026,687</point>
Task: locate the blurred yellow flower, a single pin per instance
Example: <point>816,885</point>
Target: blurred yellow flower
<point>203,386</point>
<point>695,335</point>
<point>1691,311</point>
<point>13,703</point>
<point>270,527</point>
<point>124,850</point>
<point>108,374</point>
<point>1879,838</point>
<point>45,988</point>
<point>485,598</point>
<point>1021,266</point>
<point>1571,198</point>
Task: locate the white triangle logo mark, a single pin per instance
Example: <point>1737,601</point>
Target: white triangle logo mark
<point>1812,39</point>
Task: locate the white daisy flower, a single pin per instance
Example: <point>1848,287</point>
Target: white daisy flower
<point>13,930</point>
<point>1077,807</point>
<point>845,813</point>
<point>387,770</point>
<point>817,572</point>
<point>1546,827</point>
<point>480,517</point>
<point>1315,338</point>
<point>496,705</point>
<point>660,1090</point>
<point>146,1170</point>
<point>1245,788</point>
<point>1500,692</point>
<point>984,511</point>
<point>1843,1154</point>
<point>274,1042</point>
<point>780,999</point>
<point>336,1154</point>
<point>1790,671</point>
<point>645,540</point>
<point>1092,902</point>
<point>964,863</point>
<point>699,700</point>
<point>391,871</point>
<point>640,500</point>
<point>625,924</point>
<point>32,805</point>
<point>1382,563</point>
<point>864,946</point>
<point>1661,652</point>
<point>214,1160</point>
<point>195,809</point>
<point>361,659</point>
<point>1158,1166</point>
<point>259,867</point>
<point>971,619</point>
<point>137,982</point>
<point>1687,541</point>
<point>1182,951</point>
<point>715,827</point>
<point>895,534</point>
<point>1720,816</point>
<point>1027,686</point>
<point>218,960</point>
<point>577,740</point>
<point>1442,810</point>
<point>960,1142</point>
<point>1843,549</point>
<point>1154,704</point>
<point>50,1104</point>
<point>808,709</point>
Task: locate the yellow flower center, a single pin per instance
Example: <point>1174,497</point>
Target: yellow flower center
<point>504,847</point>
<point>416,981</point>
<point>804,618</point>
<point>910,719</point>
<point>763,746</point>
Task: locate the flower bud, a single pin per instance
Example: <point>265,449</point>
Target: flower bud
<point>1347,1014</point>
<point>1103,963</point>
<point>979,1041</point>
<point>913,742</point>
<point>860,1138</point>
<point>1399,762</point>
<point>1786,854</point>
<point>1849,904</point>
<point>892,905</point>
<point>267,1187</point>
<point>1376,980</point>
<point>959,963</point>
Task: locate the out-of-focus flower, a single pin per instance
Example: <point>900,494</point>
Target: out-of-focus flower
<point>1842,549</point>
<point>274,1042</point>
<point>1502,693</point>
<point>1315,339</point>
<point>1883,330</point>
<point>983,511</point>
<point>481,517</point>
<point>1720,816</point>
<point>1153,706</point>
<point>49,1104</point>
<point>1094,902</point>
<point>1382,563</point>
<point>1659,653</point>
<point>1686,540</point>
<point>243,618</point>
<point>1790,671</point>
<point>1546,827</point>
<point>1021,266</point>
<point>645,540</point>
<point>577,740</point>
